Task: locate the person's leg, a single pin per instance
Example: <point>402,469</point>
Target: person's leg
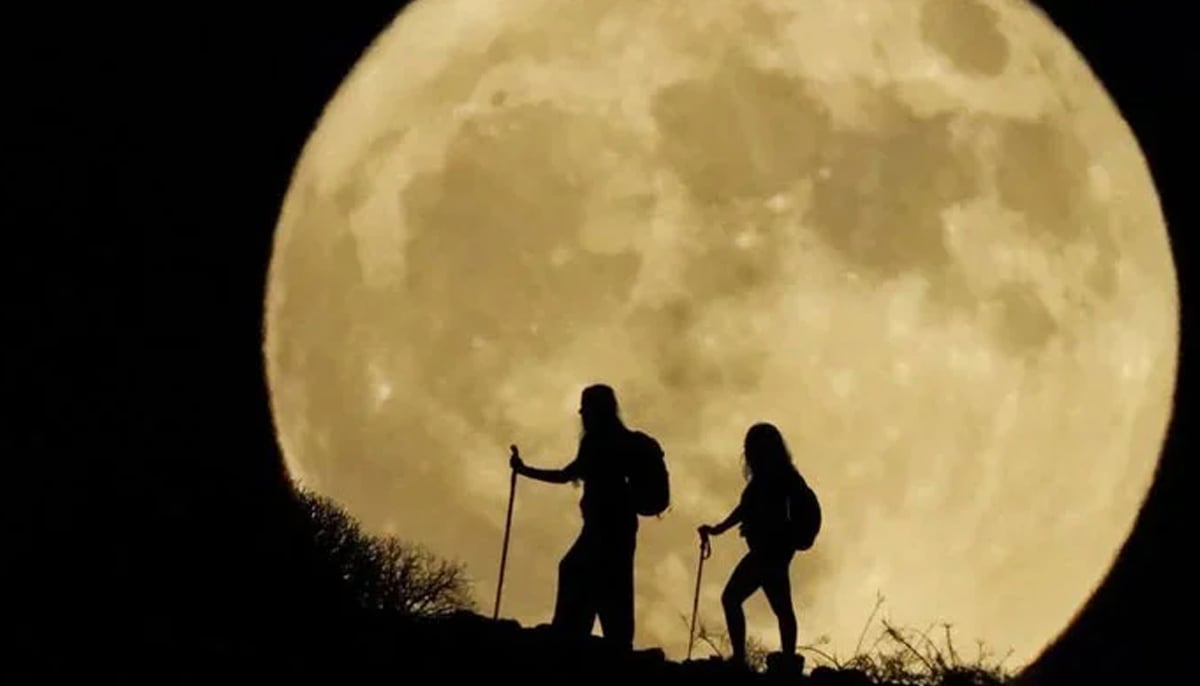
<point>616,590</point>
<point>574,611</point>
<point>777,585</point>
<point>744,581</point>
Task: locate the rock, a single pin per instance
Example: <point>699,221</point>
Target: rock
<point>508,625</point>
<point>649,655</point>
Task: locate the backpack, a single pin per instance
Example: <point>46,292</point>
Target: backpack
<point>804,515</point>
<point>649,482</point>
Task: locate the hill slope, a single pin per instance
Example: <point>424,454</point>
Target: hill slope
<point>467,646</point>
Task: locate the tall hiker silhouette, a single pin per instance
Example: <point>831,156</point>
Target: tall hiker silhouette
<point>779,515</point>
<point>624,476</point>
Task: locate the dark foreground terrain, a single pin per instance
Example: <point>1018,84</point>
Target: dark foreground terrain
<point>319,600</point>
<point>466,647</point>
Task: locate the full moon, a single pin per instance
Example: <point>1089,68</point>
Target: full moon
<point>917,235</point>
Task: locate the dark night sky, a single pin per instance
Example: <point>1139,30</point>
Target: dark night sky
<point>150,155</point>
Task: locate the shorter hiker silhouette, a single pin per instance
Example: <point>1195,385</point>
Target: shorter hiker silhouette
<point>595,577</point>
<point>765,515</point>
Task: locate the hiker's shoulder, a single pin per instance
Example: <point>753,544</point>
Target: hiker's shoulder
<point>644,440</point>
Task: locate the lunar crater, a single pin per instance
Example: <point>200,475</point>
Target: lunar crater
<point>966,33</point>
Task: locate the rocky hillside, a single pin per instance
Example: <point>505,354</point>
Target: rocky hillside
<point>467,646</point>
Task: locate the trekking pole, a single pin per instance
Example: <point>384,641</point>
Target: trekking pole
<point>705,551</point>
<point>512,492</point>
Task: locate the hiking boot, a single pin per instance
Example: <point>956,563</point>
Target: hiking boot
<point>782,665</point>
<point>739,665</point>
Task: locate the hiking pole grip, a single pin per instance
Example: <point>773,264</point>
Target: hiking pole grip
<point>512,492</point>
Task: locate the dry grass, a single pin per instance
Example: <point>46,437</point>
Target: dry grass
<point>718,644</point>
<point>912,657</point>
<point>895,656</point>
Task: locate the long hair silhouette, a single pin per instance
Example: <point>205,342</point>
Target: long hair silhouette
<point>765,453</point>
<point>598,410</point>
<point>599,415</point>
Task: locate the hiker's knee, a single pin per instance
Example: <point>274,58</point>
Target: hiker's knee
<point>730,598</point>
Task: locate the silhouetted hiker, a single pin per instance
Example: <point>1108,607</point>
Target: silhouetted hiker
<point>624,475</point>
<point>779,515</point>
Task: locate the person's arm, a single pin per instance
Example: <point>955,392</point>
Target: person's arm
<point>552,476</point>
<point>720,528</point>
<point>733,519</point>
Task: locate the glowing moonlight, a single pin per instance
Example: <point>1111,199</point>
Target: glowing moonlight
<point>915,234</point>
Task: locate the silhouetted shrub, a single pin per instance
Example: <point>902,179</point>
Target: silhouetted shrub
<point>380,573</point>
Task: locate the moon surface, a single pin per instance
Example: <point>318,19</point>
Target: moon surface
<point>915,234</point>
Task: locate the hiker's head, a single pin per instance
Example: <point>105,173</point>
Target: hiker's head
<point>765,450</point>
<point>598,408</point>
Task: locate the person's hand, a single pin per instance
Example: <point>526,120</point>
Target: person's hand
<point>515,462</point>
<point>705,543</point>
